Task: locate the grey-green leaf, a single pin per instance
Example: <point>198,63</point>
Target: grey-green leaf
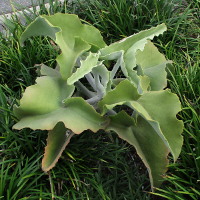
<point>159,108</point>
<point>49,101</point>
<point>152,64</point>
<point>73,38</point>
<point>86,66</point>
<point>149,146</point>
<point>136,39</point>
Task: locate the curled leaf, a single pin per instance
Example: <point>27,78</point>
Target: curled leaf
<point>153,113</point>
<point>152,64</point>
<point>49,101</point>
<point>86,66</point>
<point>69,34</point>
<point>149,146</point>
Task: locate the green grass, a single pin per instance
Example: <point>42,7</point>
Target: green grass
<point>120,18</point>
<point>183,179</point>
<point>100,166</point>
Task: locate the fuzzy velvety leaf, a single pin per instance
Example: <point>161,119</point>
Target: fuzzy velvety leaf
<point>57,140</point>
<point>149,146</point>
<point>70,34</point>
<point>162,107</point>
<point>119,57</point>
<point>125,51</point>
<point>140,82</point>
<point>44,70</point>
<point>159,108</point>
<point>136,39</point>
<point>152,64</point>
<point>104,75</point>
<point>45,104</point>
<point>124,92</point>
<point>86,66</point>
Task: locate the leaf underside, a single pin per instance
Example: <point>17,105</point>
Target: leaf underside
<point>148,144</point>
<point>57,140</point>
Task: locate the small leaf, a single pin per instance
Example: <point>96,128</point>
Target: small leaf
<point>125,91</point>
<point>119,57</point>
<point>104,75</point>
<point>48,71</point>
<point>86,66</point>
<point>57,140</point>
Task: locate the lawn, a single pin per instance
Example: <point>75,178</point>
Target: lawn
<point>100,166</point>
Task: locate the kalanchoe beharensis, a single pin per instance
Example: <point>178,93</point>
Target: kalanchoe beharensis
<point>84,93</point>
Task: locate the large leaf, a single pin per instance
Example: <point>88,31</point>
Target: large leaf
<point>57,140</point>
<point>152,64</point>
<point>160,109</point>
<point>149,146</point>
<point>157,108</point>
<point>45,104</point>
<point>43,97</point>
<point>67,59</point>
<point>70,34</point>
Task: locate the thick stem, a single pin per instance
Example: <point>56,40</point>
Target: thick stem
<point>91,80</point>
<point>115,69</point>
<point>111,112</point>
<point>87,92</point>
<point>94,100</point>
<point>99,86</point>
